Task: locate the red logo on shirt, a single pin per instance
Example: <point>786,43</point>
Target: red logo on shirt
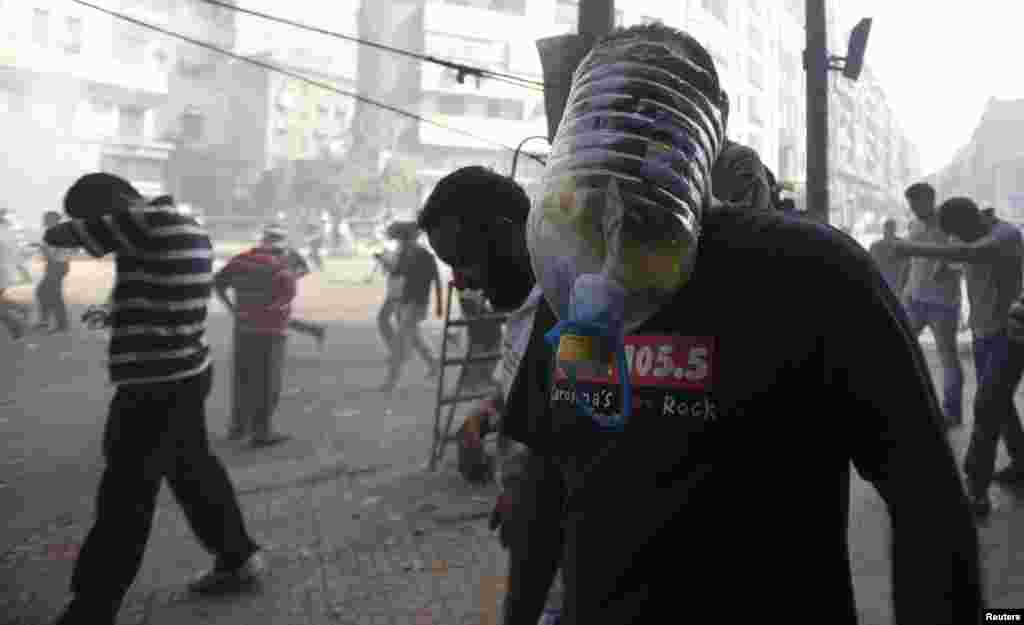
<point>681,362</point>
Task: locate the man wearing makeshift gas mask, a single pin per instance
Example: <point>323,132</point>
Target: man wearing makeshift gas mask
<point>684,368</point>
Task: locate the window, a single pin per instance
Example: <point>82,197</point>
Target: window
<point>754,111</point>
<point>567,12</point>
<point>505,109</point>
<point>451,104</point>
<point>73,35</point>
<point>192,126</point>
<point>12,101</point>
<point>791,113</point>
<point>476,106</point>
<point>789,67</point>
<point>796,10</point>
<point>41,27</point>
<point>755,38</point>
<point>755,72</point>
<point>754,142</point>
<point>515,7</point>
<point>131,123</point>
<point>129,44</point>
<point>718,8</point>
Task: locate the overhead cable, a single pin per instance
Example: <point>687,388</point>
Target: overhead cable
<point>462,69</point>
<point>297,76</point>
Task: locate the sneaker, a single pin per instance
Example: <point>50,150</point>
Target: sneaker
<point>220,581</point>
<point>1011,474</point>
<point>269,441</point>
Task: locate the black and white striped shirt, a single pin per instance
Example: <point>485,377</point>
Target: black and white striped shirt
<point>163,284</point>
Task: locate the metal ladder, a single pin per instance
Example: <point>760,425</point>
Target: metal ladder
<point>443,435</point>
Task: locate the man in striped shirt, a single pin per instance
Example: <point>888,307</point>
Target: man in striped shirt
<point>264,283</point>
<point>156,428</point>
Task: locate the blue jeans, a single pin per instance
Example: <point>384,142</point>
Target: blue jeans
<point>943,321</point>
<point>1000,365</point>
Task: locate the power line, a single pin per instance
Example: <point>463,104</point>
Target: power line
<point>297,76</point>
<point>462,69</point>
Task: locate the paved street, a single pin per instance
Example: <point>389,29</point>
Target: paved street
<point>356,531</point>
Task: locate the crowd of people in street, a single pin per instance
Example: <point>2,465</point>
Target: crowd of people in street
<point>705,370</point>
<point>946,243</point>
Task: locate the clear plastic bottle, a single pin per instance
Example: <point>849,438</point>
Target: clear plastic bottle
<point>597,298</point>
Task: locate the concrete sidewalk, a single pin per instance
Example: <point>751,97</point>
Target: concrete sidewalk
<point>352,549</point>
<point>374,545</point>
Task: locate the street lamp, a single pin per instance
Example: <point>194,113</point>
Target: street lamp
<point>519,148</point>
<point>853,62</point>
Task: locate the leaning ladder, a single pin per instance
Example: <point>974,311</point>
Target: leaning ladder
<point>443,430</point>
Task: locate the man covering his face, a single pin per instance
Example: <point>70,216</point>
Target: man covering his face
<point>727,374</point>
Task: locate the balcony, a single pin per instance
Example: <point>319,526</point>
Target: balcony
<point>143,83</point>
<point>485,23</point>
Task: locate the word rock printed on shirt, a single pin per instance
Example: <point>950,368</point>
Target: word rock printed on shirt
<point>671,376</point>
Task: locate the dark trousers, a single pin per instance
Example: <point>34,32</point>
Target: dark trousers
<point>385,317</point>
<point>1000,364</point>
<point>258,373</point>
<point>943,321</point>
<point>536,539</point>
<point>50,297</point>
<point>12,315</point>
<point>154,432</point>
<point>408,338</point>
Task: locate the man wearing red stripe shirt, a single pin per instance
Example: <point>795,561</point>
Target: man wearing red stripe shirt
<point>264,287</point>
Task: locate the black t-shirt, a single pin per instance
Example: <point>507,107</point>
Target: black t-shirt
<point>419,268</point>
<point>784,359</point>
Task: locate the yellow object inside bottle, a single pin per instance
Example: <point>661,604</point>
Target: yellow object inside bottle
<point>560,207</point>
<point>657,267</point>
<point>575,348</point>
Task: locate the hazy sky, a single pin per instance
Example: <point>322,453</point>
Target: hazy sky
<point>939,62</point>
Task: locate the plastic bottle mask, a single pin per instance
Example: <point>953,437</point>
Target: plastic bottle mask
<point>613,232</point>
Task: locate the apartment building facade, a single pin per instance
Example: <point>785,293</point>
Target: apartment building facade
<point>990,167</point>
<point>78,91</point>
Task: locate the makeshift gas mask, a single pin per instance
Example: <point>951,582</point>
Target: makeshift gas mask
<point>614,230</point>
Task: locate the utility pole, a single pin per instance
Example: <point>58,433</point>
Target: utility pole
<point>816,64</point>
<point>561,55</point>
<point>596,18</point>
